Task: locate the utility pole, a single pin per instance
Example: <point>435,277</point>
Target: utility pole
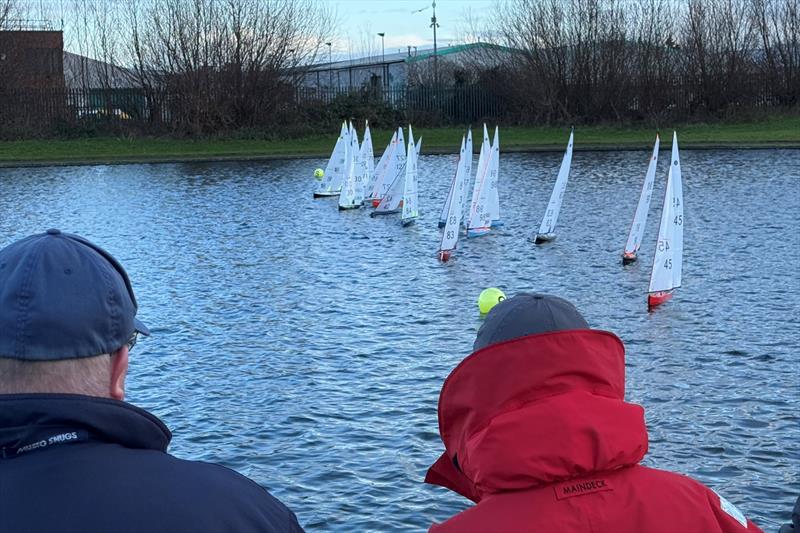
<point>330,67</point>
<point>435,25</point>
<point>383,59</point>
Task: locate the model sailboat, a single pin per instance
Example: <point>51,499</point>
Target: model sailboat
<point>375,184</point>
<point>352,195</point>
<point>479,221</point>
<point>410,210</point>
<point>640,216</point>
<point>548,226</point>
<point>367,161</point>
<point>454,206</point>
<point>333,178</point>
<point>668,258</point>
<point>494,178</point>
<point>393,185</point>
<point>391,171</point>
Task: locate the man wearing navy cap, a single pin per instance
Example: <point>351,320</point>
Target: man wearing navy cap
<point>537,432</point>
<point>73,455</point>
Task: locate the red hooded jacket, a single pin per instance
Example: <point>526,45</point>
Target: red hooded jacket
<point>537,432</point>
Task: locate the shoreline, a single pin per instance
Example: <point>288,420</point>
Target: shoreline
<point>775,132</point>
<point>245,157</point>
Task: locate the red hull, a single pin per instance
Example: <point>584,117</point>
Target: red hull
<point>444,256</point>
<point>376,203</point>
<point>657,298</point>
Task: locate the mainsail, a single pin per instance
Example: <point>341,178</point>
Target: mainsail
<point>640,216</point>
<point>410,198</point>
<point>392,193</point>
<point>479,219</point>
<point>352,194</point>
<point>454,207</point>
<point>331,183</point>
<point>375,185</point>
<point>367,161</point>
<point>668,257</point>
<point>494,180</point>
<point>548,225</point>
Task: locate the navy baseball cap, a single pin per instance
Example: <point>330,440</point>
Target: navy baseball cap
<point>527,314</point>
<point>62,297</point>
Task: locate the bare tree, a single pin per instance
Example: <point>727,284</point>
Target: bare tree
<point>6,10</point>
<point>222,64</point>
<point>778,26</point>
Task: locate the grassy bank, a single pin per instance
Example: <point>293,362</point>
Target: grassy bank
<point>772,132</point>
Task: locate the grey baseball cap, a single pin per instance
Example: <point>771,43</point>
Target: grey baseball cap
<point>62,297</point>
<point>527,314</point>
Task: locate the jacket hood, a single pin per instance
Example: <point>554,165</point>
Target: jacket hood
<point>537,410</point>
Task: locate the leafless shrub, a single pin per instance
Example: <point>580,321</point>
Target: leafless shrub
<point>591,60</point>
<point>205,65</point>
<point>6,10</point>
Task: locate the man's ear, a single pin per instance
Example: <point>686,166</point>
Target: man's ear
<point>119,369</point>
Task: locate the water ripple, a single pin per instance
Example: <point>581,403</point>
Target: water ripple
<point>306,347</point>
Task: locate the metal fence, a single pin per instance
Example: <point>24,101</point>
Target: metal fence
<point>64,110</point>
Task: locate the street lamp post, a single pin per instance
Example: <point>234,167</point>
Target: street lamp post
<point>435,25</point>
<point>383,58</point>
<point>330,67</point>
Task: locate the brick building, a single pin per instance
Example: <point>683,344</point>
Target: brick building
<point>31,59</point>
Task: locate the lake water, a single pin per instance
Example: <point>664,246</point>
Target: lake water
<point>306,347</point>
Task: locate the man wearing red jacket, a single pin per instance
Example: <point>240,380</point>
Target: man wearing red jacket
<point>537,433</point>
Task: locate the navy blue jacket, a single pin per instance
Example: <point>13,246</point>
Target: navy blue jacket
<point>73,463</point>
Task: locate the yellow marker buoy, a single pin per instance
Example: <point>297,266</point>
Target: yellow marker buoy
<point>489,298</point>
<point>319,173</point>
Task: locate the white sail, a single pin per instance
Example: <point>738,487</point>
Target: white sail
<point>390,203</point>
<point>452,191</point>
<point>381,169</point>
<point>352,194</point>
<point>335,168</point>
<point>677,190</point>
<point>392,193</point>
<point>367,160</point>
<point>550,218</point>
<point>454,208</point>
<point>479,220</point>
<point>467,175</point>
<point>640,216</point>
<point>494,179</point>
<point>418,146</point>
<point>397,166</point>
<point>410,197</point>
<point>338,179</point>
<point>668,257</point>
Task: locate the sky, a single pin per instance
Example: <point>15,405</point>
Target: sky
<point>362,20</point>
<point>405,22</point>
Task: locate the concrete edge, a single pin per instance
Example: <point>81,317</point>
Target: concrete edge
<point>770,145</point>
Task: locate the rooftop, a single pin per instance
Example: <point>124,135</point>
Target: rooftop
<point>412,54</point>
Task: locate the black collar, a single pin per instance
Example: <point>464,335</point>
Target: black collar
<point>29,420</point>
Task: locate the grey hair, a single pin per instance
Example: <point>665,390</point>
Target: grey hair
<point>90,376</point>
